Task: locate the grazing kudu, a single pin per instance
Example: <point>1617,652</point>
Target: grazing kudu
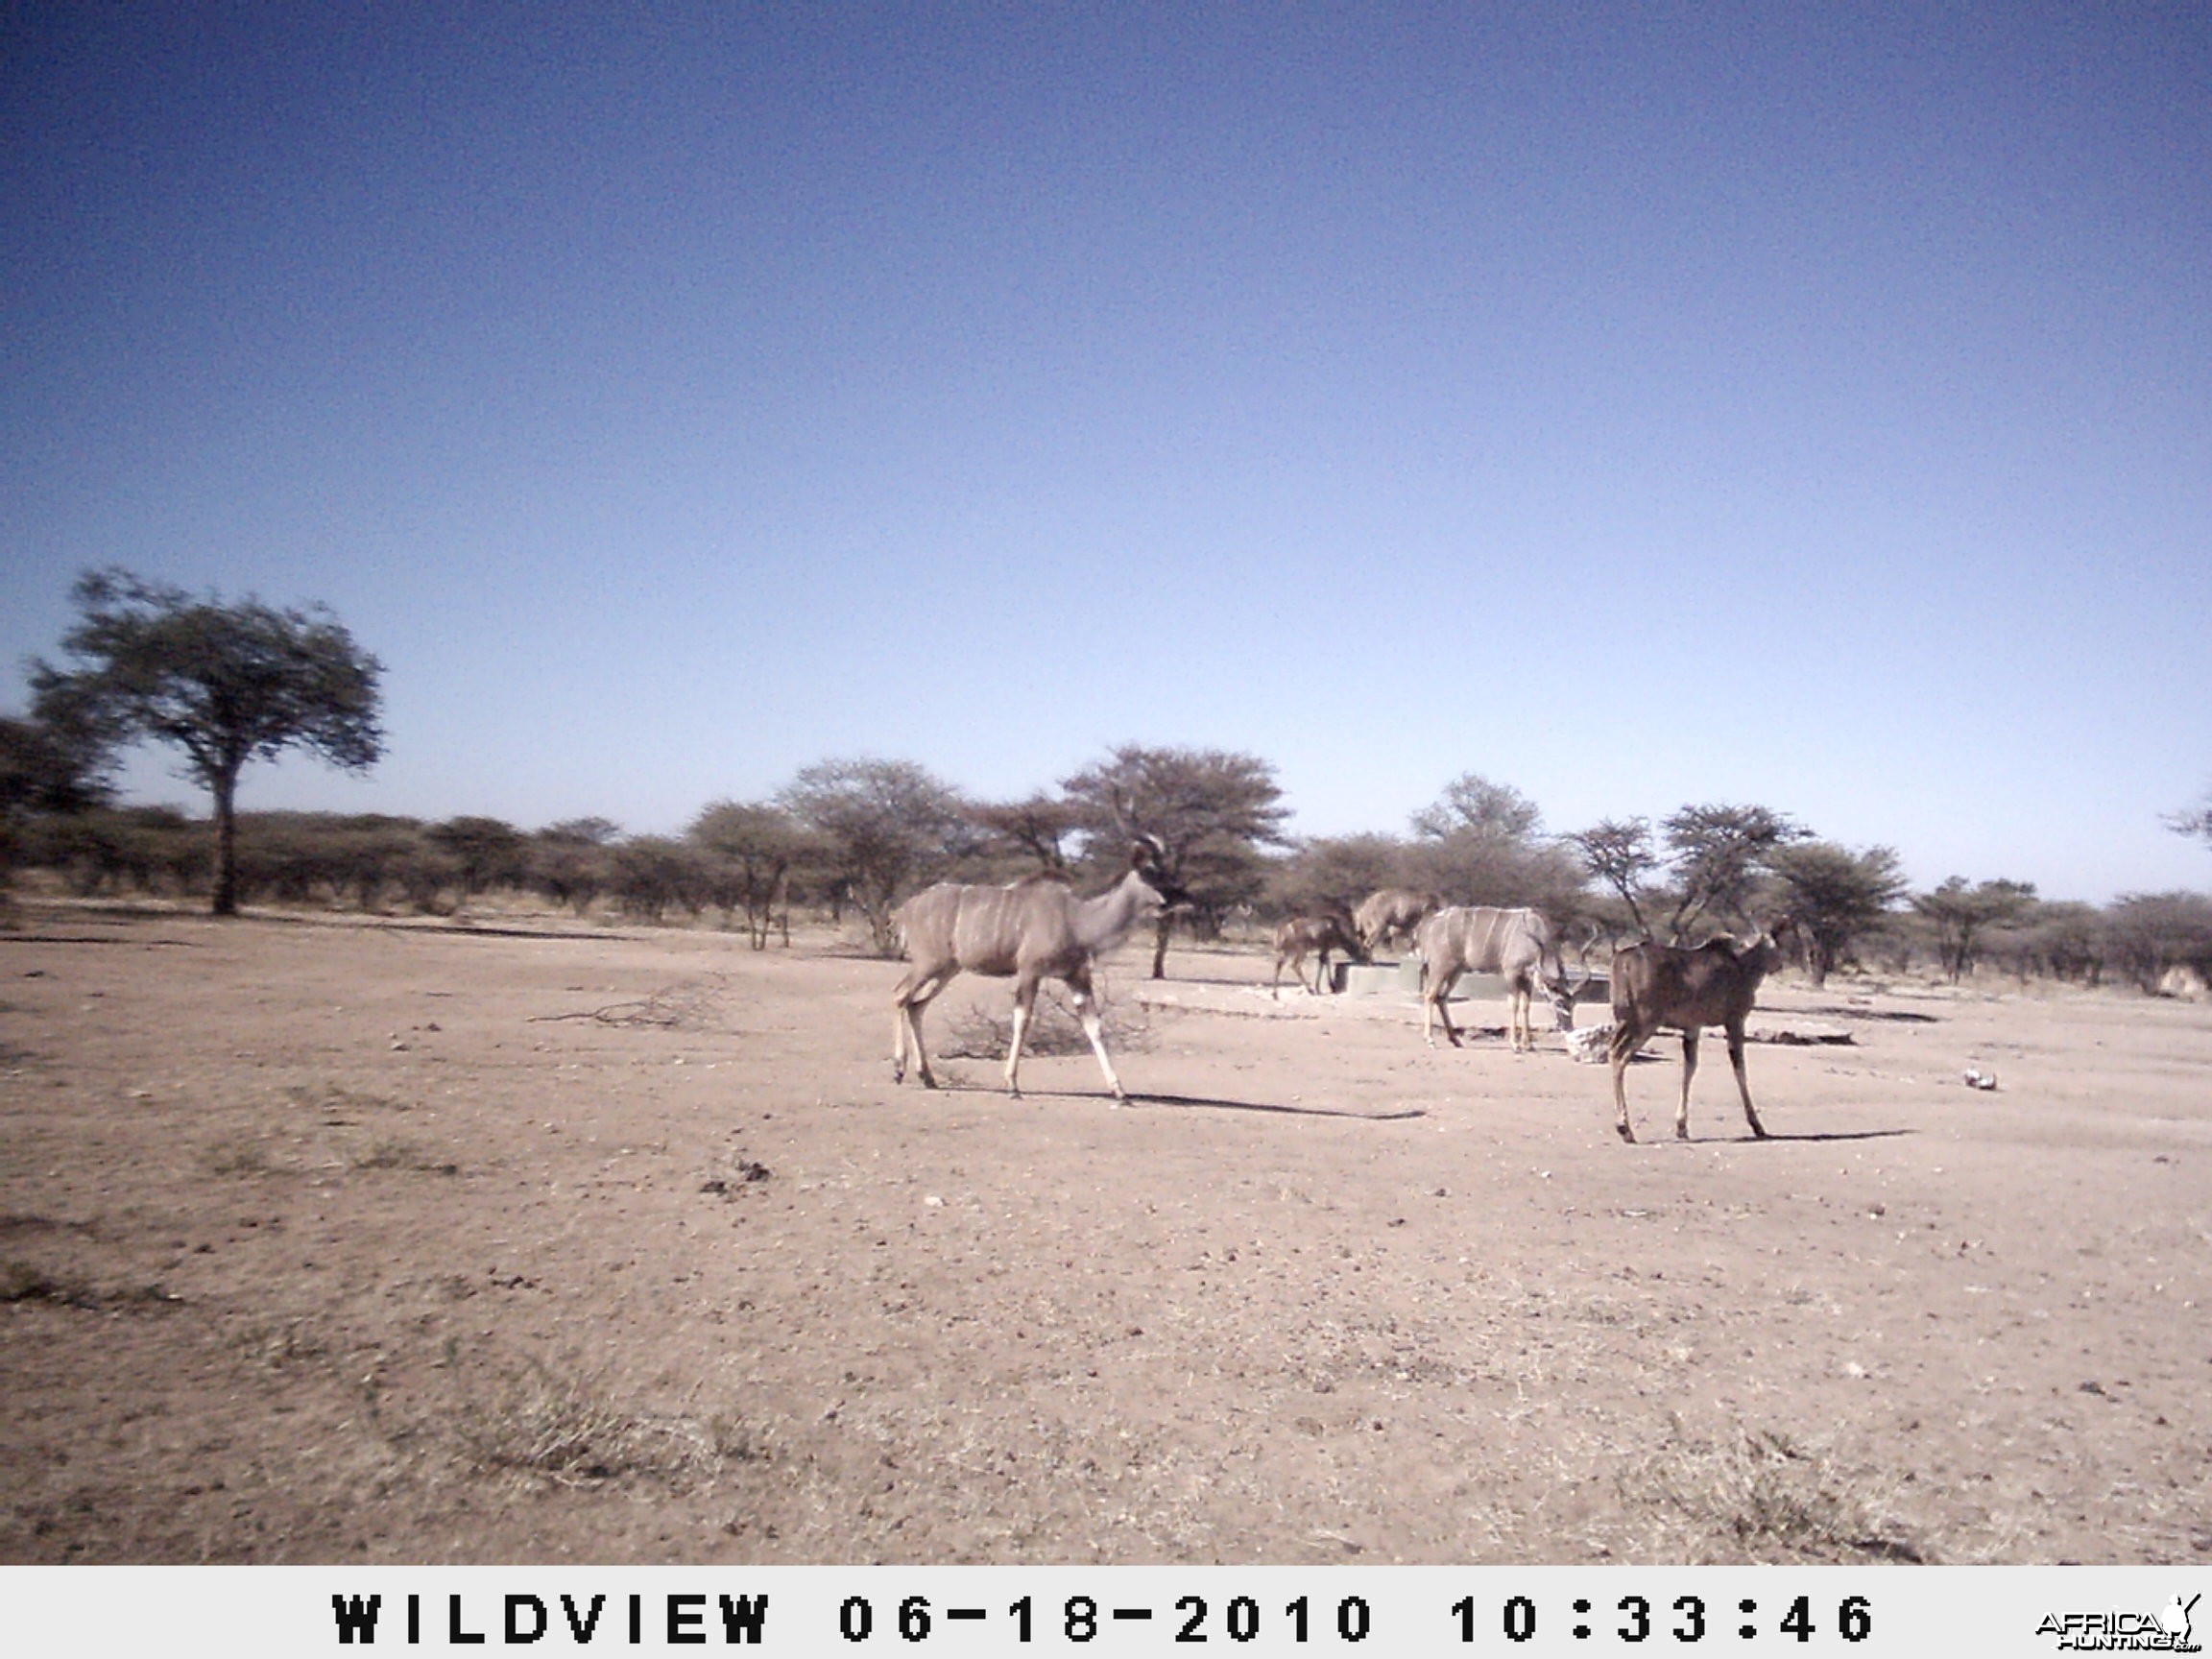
<point>1303,936</point>
<point>1516,945</point>
<point>1390,912</point>
<point>1032,930</point>
<point>1667,987</point>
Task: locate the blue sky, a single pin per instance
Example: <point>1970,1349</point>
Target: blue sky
<point>1637,405</point>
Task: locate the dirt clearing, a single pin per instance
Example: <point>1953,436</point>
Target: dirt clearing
<point>327,1241</point>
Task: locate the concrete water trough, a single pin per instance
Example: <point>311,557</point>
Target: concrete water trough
<point>1403,979</point>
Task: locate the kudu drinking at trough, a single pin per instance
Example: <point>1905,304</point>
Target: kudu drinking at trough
<point>1032,930</point>
<point>1392,912</point>
<point>1303,936</point>
<point>1667,987</point>
<point>1516,945</point>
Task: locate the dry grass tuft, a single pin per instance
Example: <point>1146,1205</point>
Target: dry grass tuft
<point>281,1343</point>
<point>337,1098</point>
<point>236,1155</point>
<point>976,1033</point>
<point>1761,1497</point>
<point>396,1152</point>
<point>563,1428</point>
<point>27,1282</point>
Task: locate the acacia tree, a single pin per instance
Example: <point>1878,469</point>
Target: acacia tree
<point>1332,873</point>
<point>2194,821</point>
<point>886,827</point>
<point>43,768</point>
<point>1718,854</point>
<point>1960,914</point>
<point>754,848</point>
<point>46,769</point>
<point>569,861</point>
<point>487,852</point>
<point>225,683</point>
<point>1211,810</point>
<point>1471,804</point>
<point>1619,852</point>
<point>653,872</point>
<point>2152,932</point>
<point>1834,896</point>
<point>2059,939</point>
<point>367,854</point>
<point>1481,843</point>
<point>1715,858</point>
<point>1038,826</point>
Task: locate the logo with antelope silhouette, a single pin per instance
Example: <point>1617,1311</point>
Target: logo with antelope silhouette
<point>2165,1631</point>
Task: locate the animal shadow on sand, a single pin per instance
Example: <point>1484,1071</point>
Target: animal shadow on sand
<point>1780,1135</point>
<point>1217,1103</point>
<point>1844,1011</point>
<point>1205,1102</point>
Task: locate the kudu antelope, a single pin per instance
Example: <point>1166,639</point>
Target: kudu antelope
<point>1303,936</point>
<point>1666,987</point>
<point>1390,912</point>
<point>1032,930</point>
<point>1516,945</point>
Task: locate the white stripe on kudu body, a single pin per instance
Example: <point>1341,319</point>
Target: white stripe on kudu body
<point>1030,931</point>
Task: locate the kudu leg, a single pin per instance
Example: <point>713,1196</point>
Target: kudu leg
<point>899,1031</point>
<point>1024,1005</point>
<point>1690,1036</point>
<point>1436,1001</point>
<point>1095,1028</point>
<point>1623,1049</point>
<point>921,1054</point>
<point>907,1032</point>
<point>1743,1083</point>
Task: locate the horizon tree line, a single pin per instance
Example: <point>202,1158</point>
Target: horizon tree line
<point>225,684</point>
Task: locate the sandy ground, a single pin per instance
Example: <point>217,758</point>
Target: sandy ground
<point>325,1240</point>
